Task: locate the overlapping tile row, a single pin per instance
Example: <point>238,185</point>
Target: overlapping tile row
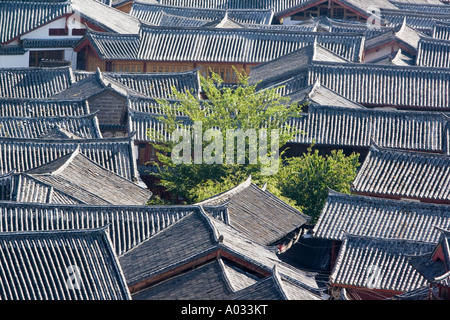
<point>72,179</point>
<point>244,204</point>
<point>381,218</point>
<point>115,46</point>
<point>127,226</point>
<point>60,265</point>
<point>433,53</point>
<point>404,174</point>
<point>243,45</point>
<point>387,85</point>
<point>114,154</point>
<point>441,30</point>
<point>159,85</point>
<point>152,13</point>
<point>276,5</point>
<point>17,17</point>
<point>359,127</point>
<point>382,264</point>
<point>85,127</point>
<point>34,83</point>
<point>149,127</point>
<point>421,21</point>
<point>421,88</point>
<point>30,108</point>
<point>165,257</point>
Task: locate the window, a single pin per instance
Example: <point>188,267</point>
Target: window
<point>78,32</point>
<point>37,56</point>
<point>58,32</point>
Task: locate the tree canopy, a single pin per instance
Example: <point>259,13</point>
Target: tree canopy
<point>204,167</point>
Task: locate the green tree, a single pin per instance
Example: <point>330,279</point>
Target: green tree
<point>306,179</point>
<point>238,107</point>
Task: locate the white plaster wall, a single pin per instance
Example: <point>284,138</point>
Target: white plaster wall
<point>14,61</point>
<point>42,32</point>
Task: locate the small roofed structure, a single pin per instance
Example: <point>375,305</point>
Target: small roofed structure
<point>257,214</point>
<point>72,178</point>
<point>212,260</point>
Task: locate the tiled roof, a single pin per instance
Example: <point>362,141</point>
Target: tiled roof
<point>203,239</point>
<point>30,108</point>
<point>34,83</point>
<point>321,95</point>
<point>19,17</point>
<point>114,46</point>
<point>410,87</point>
<point>237,45</point>
<point>421,21</point>
<point>159,85</point>
<point>379,217</point>
<point>359,127</point>
<point>255,212</point>
<point>337,25</point>
<point>209,281</point>
<point>378,263</point>
<point>127,226</point>
<point>436,7</point>
<point>436,271</point>
<point>24,154</point>
<point>292,63</point>
<point>218,45</point>
<point>144,123</point>
<point>60,265</point>
<point>403,34</point>
<point>74,178</point>
<point>398,173</point>
<point>152,13</point>
<point>433,53</point>
<point>108,18</point>
<point>275,287</point>
<point>80,127</point>
<point>398,58</point>
<point>93,85</point>
<point>280,7</point>
<point>441,30</point>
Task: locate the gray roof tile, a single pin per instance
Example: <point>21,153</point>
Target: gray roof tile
<point>153,13</point>
<point>128,226</point>
<point>381,218</point>
<point>405,174</point>
<point>77,178</point>
<point>24,154</point>
<point>41,266</point>
<point>256,213</point>
<point>376,263</point>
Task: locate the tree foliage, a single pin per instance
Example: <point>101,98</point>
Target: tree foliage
<point>237,107</point>
<point>306,179</point>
